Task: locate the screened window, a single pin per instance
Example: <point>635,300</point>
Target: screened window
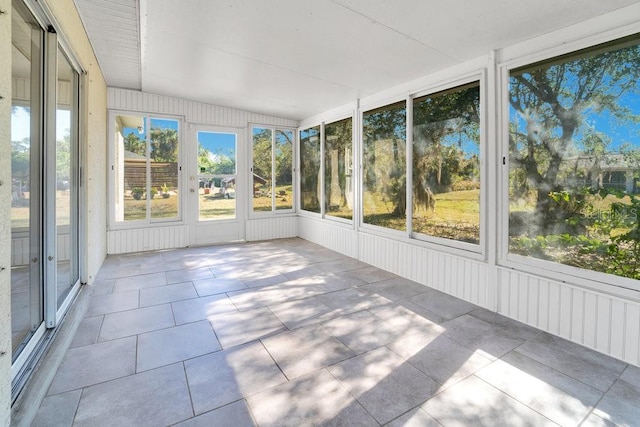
<point>146,168</point>
<point>310,169</point>
<point>574,145</point>
<point>384,166</point>
<point>338,169</point>
<point>446,164</point>
<point>272,169</point>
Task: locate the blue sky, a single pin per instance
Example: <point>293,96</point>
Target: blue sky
<point>155,123</point>
<point>218,143</point>
<point>20,124</point>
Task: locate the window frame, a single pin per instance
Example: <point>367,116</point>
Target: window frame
<point>300,208</point>
<point>371,228</point>
<point>354,172</point>
<point>479,248</point>
<point>149,221</point>
<point>253,214</point>
<point>557,272</point>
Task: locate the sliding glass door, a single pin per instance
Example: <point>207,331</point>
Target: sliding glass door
<point>45,183</point>
<point>27,314</point>
<point>66,180</point>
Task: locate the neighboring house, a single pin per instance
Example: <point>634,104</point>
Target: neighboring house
<point>612,170</point>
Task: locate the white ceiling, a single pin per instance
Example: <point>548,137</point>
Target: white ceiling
<point>298,58</point>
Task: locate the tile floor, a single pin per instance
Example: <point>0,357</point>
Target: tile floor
<point>289,333</point>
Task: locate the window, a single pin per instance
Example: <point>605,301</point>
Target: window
<point>27,75</point>
<point>310,190</point>
<point>446,164</point>
<point>67,180</point>
<point>338,169</point>
<point>384,166</point>
<point>272,170</point>
<point>216,175</point>
<point>574,150</point>
<point>146,166</point>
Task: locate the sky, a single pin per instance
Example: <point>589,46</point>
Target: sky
<point>620,133</point>
<point>216,142</point>
<point>20,124</point>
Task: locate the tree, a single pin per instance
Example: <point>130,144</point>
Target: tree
<point>164,145</point>
<point>338,140</point>
<point>310,168</point>
<point>384,136</point>
<point>63,160</point>
<point>20,158</point>
<point>134,144</point>
<point>441,123</point>
<point>284,157</point>
<point>262,154</point>
<point>550,104</point>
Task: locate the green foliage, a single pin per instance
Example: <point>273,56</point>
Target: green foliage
<point>384,154</point>
<point>262,159</point>
<point>137,192</point>
<point>164,145</point>
<point>310,168</point>
<point>20,158</point>
<point>134,144</point>
<point>441,123</point>
<point>550,104</point>
<point>338,145</point>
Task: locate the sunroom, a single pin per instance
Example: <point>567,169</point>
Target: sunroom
<point>301,213</point>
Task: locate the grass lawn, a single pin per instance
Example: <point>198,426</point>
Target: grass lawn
<point>262,199</point>
<point>20,210</point>
<point>456,215</point>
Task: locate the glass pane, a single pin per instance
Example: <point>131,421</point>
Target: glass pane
<point>384,166</point>
<point>575,160</point>
<point>216,175</point>
<point>163,148</point>
<point>284,169</point>
<point>446,164</point>
<point>310,169</point>
<point>66,182</point>
<point>338,169</point>
<point>26,75</point>
<point>262,169</point>
<point>130,174</point>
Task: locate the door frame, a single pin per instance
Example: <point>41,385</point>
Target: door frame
<point>216,230</point>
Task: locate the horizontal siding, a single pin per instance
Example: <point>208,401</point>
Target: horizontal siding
<point>596,320</point>
<point>194,112</point>
<point>271,228</point>
<point>146,239</point>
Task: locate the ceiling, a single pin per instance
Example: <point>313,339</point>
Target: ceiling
<point>297,58</point>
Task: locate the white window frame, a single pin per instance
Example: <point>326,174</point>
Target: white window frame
<point>294,169</point>
<point>370,228</point>
<point>354,172</point>
<point>594,280</point>
<point>301,211</point>
<point>149,221</point>
<point>481,78</point>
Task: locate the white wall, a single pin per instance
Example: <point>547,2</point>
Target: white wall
<point>598,315</point>
<point>177,235</point>
<point>93,137</point>
<point>5,218</point>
